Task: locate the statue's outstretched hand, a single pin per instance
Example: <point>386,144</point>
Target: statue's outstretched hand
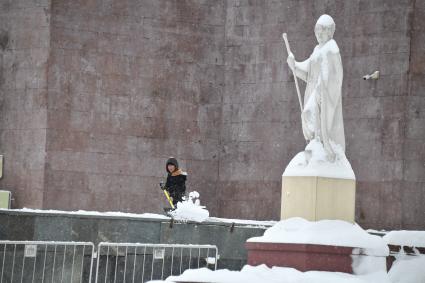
<point>291,61</point>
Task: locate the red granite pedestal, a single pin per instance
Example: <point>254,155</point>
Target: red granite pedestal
<point>303,257</point>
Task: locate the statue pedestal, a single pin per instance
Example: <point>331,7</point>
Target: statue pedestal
<point>303,257</point>
<point>316,188</point>
<point>315,198</point>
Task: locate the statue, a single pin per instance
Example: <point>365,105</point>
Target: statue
<point>319,183</point>
<point>321,112</point>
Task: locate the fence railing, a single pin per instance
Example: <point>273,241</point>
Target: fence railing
<point>128,262</point>
<point>72,262</point>
<point>46,262</point>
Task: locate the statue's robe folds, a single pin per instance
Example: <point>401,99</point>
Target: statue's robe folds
<point>322,113</point>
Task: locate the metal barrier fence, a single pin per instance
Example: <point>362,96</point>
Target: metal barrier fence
<point>127,262</point>
<point>46,262</point>
<point>72,262</point>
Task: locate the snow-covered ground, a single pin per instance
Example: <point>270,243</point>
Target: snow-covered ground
<point>263,274</point>
<point>409,270</point>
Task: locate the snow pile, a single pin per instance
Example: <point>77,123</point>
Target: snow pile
<point>313,162</point>
<point>263,274</point>
<point>404,270</point>
<point>408,269</point>
<point>190,209</point>
<point>325,232</point>
<point>406,238</point>
<point>366,264</point>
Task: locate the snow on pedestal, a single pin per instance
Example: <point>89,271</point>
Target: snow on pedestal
<point>316,188</point>
<point>325,232</point>
<point>327,245</point>
<point>313,162</point>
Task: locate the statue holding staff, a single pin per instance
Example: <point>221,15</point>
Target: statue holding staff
<point>321,114</point>
<point>319,182</point>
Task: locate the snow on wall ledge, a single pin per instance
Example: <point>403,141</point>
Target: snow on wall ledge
<point>325,232</point>
<point>313,162</point>
<point>406,238</point>
<point>151,216</point>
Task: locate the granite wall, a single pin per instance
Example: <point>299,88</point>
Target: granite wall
<point>411,193</point>
<point>97,94</point>
<point>131,83</point>
<point>24,55</point>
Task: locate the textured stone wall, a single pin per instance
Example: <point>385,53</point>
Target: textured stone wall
<point>131,83</point>
<point>122,85</point>
<point>412,190</point>
<point>24,50</point>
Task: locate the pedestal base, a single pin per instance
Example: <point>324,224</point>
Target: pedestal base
<point>304,257</point>
<point>317,198</point>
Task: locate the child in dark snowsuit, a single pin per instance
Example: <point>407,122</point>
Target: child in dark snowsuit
<point>176,181</point>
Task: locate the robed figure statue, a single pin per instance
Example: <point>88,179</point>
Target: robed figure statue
<point>322,108</point>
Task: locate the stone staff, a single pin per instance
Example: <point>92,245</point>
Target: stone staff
<point>288,49</point>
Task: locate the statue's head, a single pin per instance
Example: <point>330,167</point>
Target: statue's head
<point>324,29</point>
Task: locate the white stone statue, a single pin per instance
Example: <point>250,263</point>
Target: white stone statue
<point>321,115</point>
